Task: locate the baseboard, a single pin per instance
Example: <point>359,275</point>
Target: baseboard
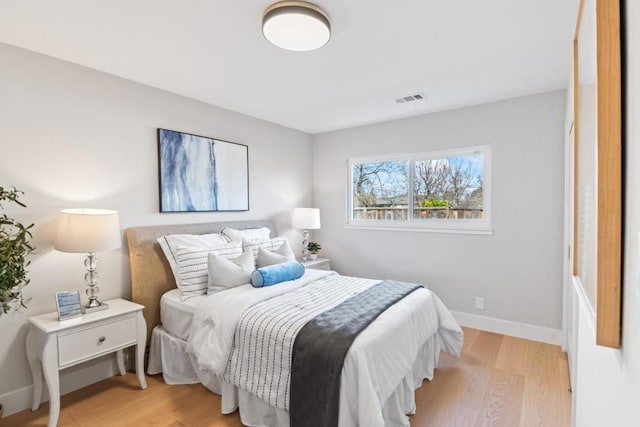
<point>71,379</point>
<point>507,327</point>
<point>17,400</point>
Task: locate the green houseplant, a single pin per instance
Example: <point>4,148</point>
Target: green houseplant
<point>313,248</point>
<point>15,245</point>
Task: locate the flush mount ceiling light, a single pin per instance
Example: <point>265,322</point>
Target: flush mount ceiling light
<point>296,25</point>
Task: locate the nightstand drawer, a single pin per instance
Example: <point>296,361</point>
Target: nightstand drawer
<point>78,344</point>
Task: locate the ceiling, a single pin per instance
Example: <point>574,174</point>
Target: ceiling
<point>457,52</point>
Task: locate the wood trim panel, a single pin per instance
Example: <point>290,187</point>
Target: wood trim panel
<point>609,95</point>
<point>608,166</point>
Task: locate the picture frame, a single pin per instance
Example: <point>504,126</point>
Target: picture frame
<point>68,304</point>
<point>202,174</point>
<point>598,152</point>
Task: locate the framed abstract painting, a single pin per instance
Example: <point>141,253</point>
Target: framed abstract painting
<point>201,174</point>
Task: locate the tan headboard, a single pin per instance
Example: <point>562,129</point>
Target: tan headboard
<point>151,275</point>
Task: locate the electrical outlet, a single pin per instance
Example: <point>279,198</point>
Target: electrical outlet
<point>480,303</point>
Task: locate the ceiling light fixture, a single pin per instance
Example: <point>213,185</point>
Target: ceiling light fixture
<point>296,25</point>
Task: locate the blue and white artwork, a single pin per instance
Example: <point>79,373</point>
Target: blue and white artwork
<point>200,174</point>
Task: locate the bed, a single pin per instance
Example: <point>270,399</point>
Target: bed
<point>192,341</point>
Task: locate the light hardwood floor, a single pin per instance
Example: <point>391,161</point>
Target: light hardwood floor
<point>498,381</point>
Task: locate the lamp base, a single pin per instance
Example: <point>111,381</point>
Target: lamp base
<point>305,243</point>
<point>89,310</point>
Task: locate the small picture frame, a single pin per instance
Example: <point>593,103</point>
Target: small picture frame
<point>68,303</point>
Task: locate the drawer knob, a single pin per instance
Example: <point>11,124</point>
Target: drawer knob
<point>102,339</point>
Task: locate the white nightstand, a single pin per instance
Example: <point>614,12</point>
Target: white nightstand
<point>318,264</point>
<point>53,345</point>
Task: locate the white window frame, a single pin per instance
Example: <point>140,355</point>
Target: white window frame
<point>435,225</point>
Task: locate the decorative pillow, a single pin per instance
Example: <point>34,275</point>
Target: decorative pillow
<point>262,233</point>
<point>270,245</point>
<point>280,255</point>
<point>193,271</point>
<point>278,273</point>
<point>170,243</point>
<point>228,273</point>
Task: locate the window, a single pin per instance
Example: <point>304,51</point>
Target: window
<point>438,191</point>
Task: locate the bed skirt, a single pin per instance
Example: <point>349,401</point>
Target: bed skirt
<point>168,355</point>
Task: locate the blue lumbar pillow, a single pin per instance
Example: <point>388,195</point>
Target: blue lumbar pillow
<point>277,273</point>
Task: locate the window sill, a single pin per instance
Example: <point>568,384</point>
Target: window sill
<point>485,231</point>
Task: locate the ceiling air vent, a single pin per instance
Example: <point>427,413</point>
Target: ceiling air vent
<point>410,98</point>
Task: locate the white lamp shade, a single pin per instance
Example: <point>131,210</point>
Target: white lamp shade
<point>88,230</point>
<point>296,25</point>
<point>305,218</point>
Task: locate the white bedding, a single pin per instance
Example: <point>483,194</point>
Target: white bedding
<point>261,357</point>
<point>176,315</point>
<point>381,359</point>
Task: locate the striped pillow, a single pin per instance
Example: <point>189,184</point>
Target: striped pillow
<point>170,243</point>
<point>193,273</point>
<point>269,245</point>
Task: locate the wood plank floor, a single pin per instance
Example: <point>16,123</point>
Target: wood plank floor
<point>498,381</point>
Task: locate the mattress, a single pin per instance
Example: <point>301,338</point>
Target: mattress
<point>176,315</point>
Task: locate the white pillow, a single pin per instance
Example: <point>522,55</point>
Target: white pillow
<point>170,243</point>
<point>262,233</point>
<point>229,273</point>
<point>270,245</point>
<point>280,255</point>
<point>193,271</point>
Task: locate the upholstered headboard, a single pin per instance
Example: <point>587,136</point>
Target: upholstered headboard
<point>151,275</point>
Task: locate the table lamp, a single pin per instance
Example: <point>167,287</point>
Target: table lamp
<point>89,231</point>
<point>305,219</point>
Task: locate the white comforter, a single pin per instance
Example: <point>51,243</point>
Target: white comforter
<point>379,359</point>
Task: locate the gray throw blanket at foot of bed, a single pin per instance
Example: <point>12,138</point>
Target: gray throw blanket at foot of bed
<point>321,346</point>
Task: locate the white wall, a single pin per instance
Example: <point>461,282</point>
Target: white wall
<point>518,270</point>
<point>74,137</point>
<point>607,389</point>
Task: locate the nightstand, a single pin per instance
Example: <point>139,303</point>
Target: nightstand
<point>318,264</point>
<point>53,345</point>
